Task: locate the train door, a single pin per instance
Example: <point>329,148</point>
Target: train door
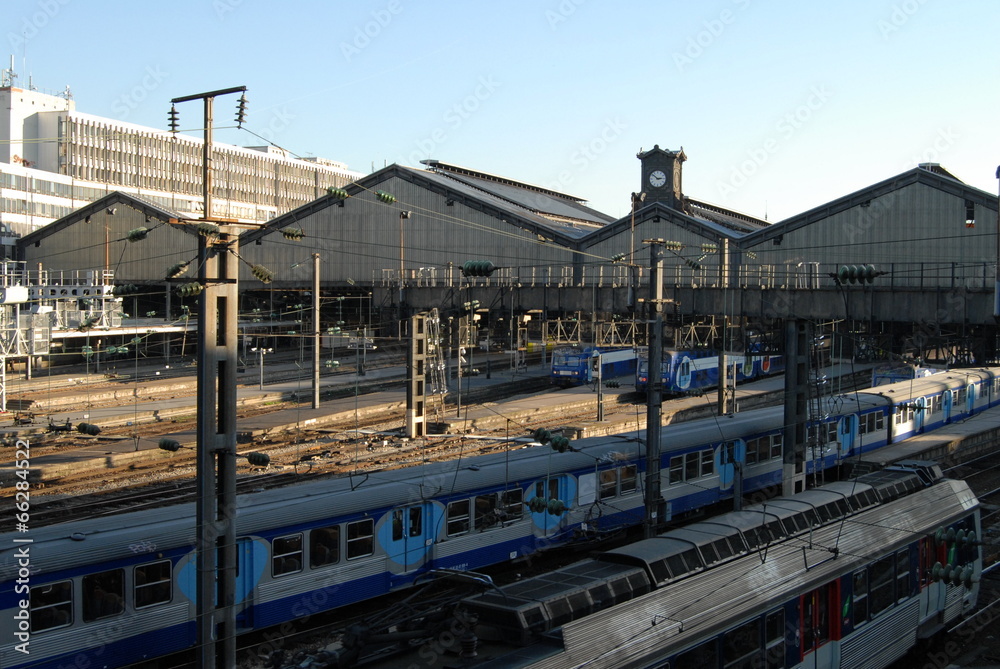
<point>248,563</point>
<point>729,460</point>
<point>970,398</point>
<point>947,404</point>
<point>409,536</point>
<point>919,414</point>
<point>554,496</point>
<point>682,373</point>
<point>817,626</point>
<point>847,434</point>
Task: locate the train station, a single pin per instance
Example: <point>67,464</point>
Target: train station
<point>433,373</point>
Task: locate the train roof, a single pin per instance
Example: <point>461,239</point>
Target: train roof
<point>704,603</point>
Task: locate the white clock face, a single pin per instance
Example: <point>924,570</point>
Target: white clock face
<point>657,178</point>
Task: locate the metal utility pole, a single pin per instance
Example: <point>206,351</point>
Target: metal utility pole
<point>316,339</point>
<point>793,450</point>
<point>216,422</point>
<point>655,389</point>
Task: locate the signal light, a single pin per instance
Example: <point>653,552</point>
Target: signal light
<point>478,268</point>
<point>241,111</point>
<point>388,198</point>
<point>172,119</point>
<point>294,234</point>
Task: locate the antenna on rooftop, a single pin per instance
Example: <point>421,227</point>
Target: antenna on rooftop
<point>8,75</point>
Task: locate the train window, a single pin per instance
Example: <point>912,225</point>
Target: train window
<point>609,483</point>
<point>416,524</point>
<point>286,555</point>
<point>676,469</point>
<point>860,595</point>
<point>628,479</point>
<point>324,546</point>
<point>51,606</point>
<point>741,646</point>
<point>103,594</point>
<point>707,462</point>
<point>880,582</point>
<point>151,584</point>
<point>512,503</point>
<point>903,574</point>
<point>458,517</point>
<point>698,657</point>
<point>752,447</point>
<point>774,639</point>
<point>486,511</point>
<point>692,466</point>
<point>397,524</point>
<point>360,538</point>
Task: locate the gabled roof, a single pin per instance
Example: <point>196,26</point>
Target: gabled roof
<point>928,174</point>
<point>659,211</point>
<point>734,221</point>
<point>140,204</point>
<point>565,233</point>
<point>548,203</point>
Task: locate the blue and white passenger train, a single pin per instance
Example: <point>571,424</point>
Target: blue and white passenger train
<point>691,370</point>
<point>575,365</point>
<point>110,591</point>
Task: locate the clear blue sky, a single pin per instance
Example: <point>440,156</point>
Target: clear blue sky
<point>780,106</point>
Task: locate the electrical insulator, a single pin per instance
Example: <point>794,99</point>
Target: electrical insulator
<point>263,274</point>
<point>478,268</point>
<point>137,234</point>
<point>241,111</point>
<point>338,193</point>
<point>294,234</point>
<point>259,459</point>
<point>170,445</point>
<point>388,198</point>
<point>88,428</point>
<point>207,229</point>
<point>190,289</point>
<point>177,270</point>
<point>857,274</point>
<point>172,117</point>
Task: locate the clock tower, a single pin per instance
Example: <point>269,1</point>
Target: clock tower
<point>661,176</point>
